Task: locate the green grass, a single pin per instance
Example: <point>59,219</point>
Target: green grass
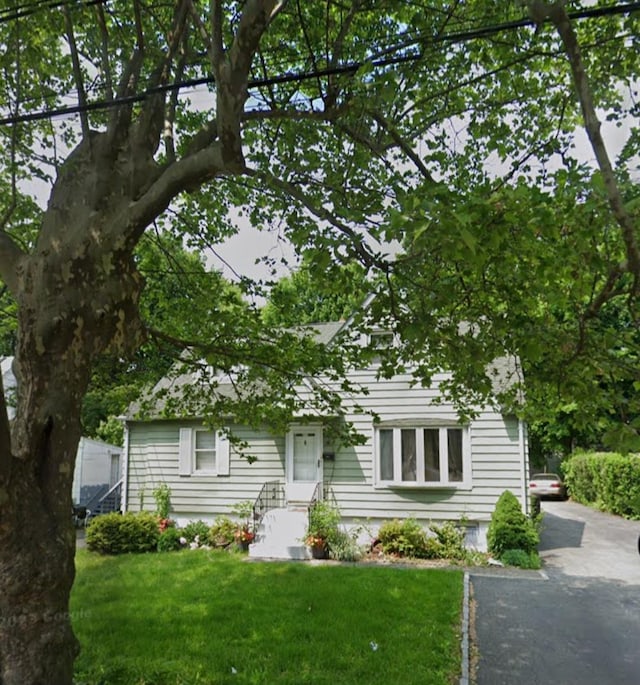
<point>196,617</point>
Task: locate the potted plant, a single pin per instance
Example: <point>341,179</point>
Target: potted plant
<point>322,528</point>
<point>244,537</point>
<point>244,534</point>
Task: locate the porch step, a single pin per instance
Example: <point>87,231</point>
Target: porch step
<point>281,535</point>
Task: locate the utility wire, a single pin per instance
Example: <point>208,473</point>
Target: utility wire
<point>20,11</point>
<point>299,77</point>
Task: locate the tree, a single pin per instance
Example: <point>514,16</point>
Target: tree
<point>353,124</point>
<point>177,301</point>
<point>307,297</point>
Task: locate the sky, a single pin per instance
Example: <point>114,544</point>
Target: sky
<point>242,253</point>
<point>250,244</point>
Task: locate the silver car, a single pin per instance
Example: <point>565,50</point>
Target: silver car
<point>547,485</point>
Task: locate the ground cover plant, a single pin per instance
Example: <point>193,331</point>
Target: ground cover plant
<point>210,617</point>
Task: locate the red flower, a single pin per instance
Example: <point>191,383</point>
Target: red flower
<point>244,535</point>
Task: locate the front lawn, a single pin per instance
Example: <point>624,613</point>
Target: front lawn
<point>205,617</point>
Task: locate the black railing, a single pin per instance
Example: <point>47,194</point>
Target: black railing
<point>328,496</point>
<point>271,497</point>
<point>92,504</point>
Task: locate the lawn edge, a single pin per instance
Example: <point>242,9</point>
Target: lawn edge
<point>464,677</point>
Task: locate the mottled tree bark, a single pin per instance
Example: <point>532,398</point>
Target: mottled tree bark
<point>77,293</point>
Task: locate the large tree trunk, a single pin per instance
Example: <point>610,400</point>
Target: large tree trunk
<point>77,299</point>
<point>37,546</point>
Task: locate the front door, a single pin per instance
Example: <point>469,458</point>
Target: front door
<point>304,462</point>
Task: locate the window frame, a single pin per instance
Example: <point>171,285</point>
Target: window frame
<point>187,452</point>
<point>420,481</point>
<point>195,451</point>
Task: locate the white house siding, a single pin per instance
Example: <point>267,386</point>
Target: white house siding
<point>496,456</point>
<point>497,463</point>
<point>153,460</point>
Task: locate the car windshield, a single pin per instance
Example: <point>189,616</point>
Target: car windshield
<point>545,476</point>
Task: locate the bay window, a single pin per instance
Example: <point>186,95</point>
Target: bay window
<point>422,456</point>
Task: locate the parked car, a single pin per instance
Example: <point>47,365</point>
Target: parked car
<point>547,485</point>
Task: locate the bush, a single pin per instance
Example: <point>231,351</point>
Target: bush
<point>344,547</point>
<point>324,519</point>
<point>510,528</point>
<point>221,533</point>
<point>609,480</point>
<point>520,558</point>
<point>406,538</point>
<point>450,542</point>
<point>169,540</point>
<point>122,533</point>
<point>162,496</point>
<point>194,529</point>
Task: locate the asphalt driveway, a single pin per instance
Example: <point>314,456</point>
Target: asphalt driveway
<point>575,623</point>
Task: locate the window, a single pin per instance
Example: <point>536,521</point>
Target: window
<point>422,456</point>
<point>381,340</point>
<point>203,452</point>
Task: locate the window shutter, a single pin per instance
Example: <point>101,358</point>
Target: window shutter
<point>222,454</point>
<point>185,451</point>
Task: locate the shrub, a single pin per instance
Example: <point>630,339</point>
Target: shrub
<point>122,533</point>
<point>345,547</point>
<point>609,480</point>
<point>510,528</point>
<point>406,538</point>
<point>194,529</point>
<point>162,496</point>
<point>450,542</point>
<point>324,519</point>
<point>520,558</point>
<point>221,533</point>
<point>169,540</point>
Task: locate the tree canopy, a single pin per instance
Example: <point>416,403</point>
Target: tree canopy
<point>430,143</point>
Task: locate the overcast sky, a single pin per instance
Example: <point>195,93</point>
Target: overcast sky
<point>242,253</point>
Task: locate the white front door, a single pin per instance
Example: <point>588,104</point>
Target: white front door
<point>304,461</point>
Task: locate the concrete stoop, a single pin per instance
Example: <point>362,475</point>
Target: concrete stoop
<point>281,535</point>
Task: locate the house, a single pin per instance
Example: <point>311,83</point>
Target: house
<point>97,475</point>
<point>418,461</point>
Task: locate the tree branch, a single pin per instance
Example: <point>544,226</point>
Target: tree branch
<point>369,259</point>
<point>233,76</point>
<point>560,19</point>
<point>185,174</point>
<point>77,72</point>
<point>338,45</point>
<point>402,144</point>
<point>152,120</point>
<point>121,116</point>
<point>217,46</point>
<point>104,51</point>
<point>11,257</point>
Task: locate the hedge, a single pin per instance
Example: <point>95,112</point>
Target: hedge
<point>608,480</point>
<point>123,533</point>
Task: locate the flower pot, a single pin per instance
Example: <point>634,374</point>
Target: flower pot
<point>320,551</point>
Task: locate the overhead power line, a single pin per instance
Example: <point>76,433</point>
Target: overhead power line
<point>299,77</point>
<point>21,11</point>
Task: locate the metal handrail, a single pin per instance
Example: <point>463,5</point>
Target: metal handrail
<point>110,492</point>
<point>92,503</point>
<point>271,496</point>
